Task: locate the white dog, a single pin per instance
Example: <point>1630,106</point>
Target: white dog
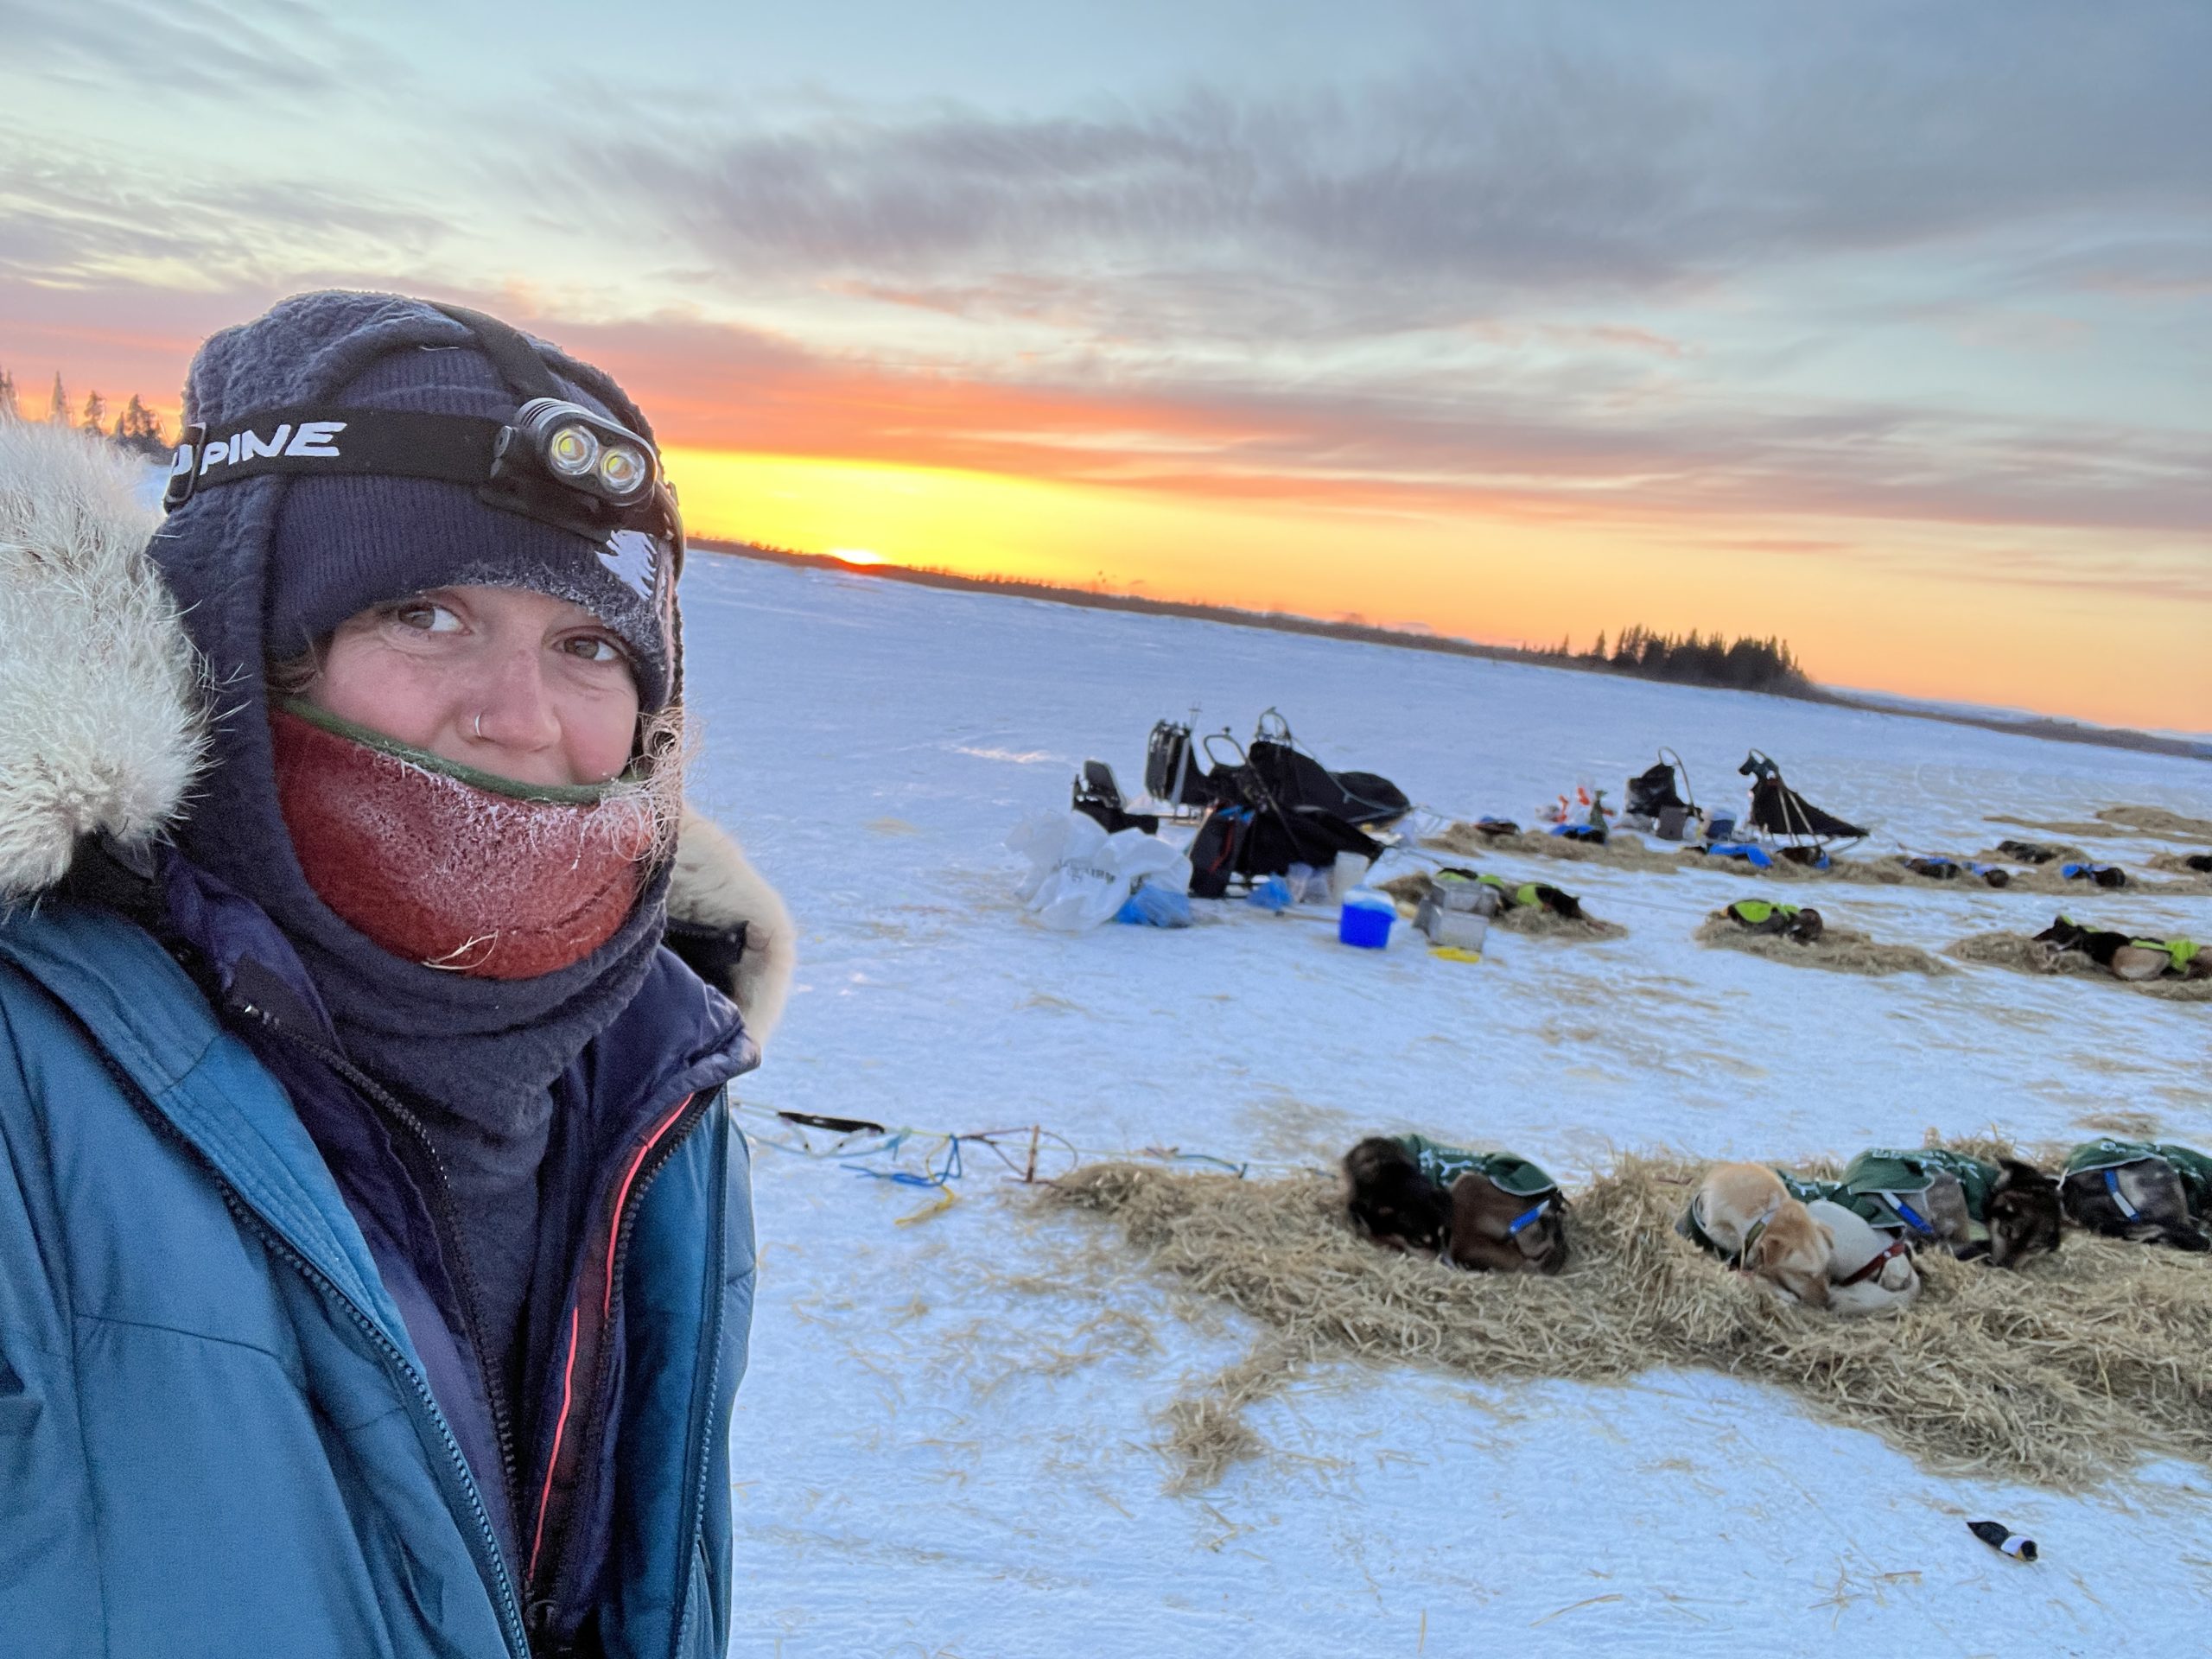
<point>1869,1271</point>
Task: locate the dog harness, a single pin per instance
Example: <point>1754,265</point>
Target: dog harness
<point>1873,1264</point>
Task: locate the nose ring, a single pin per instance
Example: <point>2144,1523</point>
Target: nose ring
<point>479,722</point>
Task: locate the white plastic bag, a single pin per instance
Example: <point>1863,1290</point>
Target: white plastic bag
<point>1079,875</point>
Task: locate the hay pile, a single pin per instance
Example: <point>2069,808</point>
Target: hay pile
<point>2122,821</point>
<point>1531,921</point>
<point>2055,826</point>
<point>2156,821</point>
<point>2063,852</point>
<point>1622,849</point>
<point>2044,878</point>
<point>1839,950</point>
<point>1534,922</point>
<point>2024,955</point>
<point>2176,864</point>
<point>2061,1374</point>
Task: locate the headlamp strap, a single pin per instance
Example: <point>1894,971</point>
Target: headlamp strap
<point>402,443</point>
<point>459,448</point>
<point>510,353</point>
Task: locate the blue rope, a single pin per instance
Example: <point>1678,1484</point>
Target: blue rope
<point>949,1170</point>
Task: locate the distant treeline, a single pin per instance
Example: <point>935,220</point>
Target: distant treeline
<point>1745,665</point>
<point>135,428</point>
<point>1560,656</point>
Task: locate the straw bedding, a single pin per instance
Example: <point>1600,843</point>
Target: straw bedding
<point>2063,852</point>
<point>2156,821</point>
<point>2045,878</point>
<point>2175,863</point>
<point>2122,821</point>
<point>1534,922</point>
<point>1621,850</point>
<point>1531,921</point>
<point>2060,1374</point>
<point>1839,950</point>
<point>2024,955</point>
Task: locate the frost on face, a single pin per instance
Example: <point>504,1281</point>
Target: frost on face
<point>455,877</point>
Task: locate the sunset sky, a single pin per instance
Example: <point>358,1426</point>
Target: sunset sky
<point>1884,328</point>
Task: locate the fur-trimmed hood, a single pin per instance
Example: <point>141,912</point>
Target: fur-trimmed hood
<point>104,701</point>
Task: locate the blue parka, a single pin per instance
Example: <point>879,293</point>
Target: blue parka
<point>216,1435</point>
<point>241,1413</point>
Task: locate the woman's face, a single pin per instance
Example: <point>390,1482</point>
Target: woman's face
<point>514,683</point>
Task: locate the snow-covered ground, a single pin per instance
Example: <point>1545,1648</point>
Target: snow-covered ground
<point>947,1443</point>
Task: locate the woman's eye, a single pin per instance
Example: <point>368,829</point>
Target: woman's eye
<point>427,617</point>
<point>592,648</point>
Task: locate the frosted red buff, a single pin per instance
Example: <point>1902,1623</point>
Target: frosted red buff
<point>440,872</point>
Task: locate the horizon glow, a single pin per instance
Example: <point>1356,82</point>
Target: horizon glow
<point>1886,333</point>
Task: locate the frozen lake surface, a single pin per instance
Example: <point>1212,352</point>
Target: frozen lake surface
<point>948,1440</point>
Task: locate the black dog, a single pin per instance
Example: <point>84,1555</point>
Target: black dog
<point>2023,1213</point>
<point>2143,1202</point>
<point>2099,946</point>
<point>1391,1201</point>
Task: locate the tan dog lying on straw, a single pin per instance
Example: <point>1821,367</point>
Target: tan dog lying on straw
<point>1754,1223</point>
<point>1869,1271</point>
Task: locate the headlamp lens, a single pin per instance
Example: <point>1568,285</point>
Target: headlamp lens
<point>621,469</point>
<point>572,450</point>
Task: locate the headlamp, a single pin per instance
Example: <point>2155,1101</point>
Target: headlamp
<point>580,448</point>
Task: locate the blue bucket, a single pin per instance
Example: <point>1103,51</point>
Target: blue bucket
<point>1365,924</point>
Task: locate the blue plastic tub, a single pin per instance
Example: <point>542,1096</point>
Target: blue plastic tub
<point>1366,925</point>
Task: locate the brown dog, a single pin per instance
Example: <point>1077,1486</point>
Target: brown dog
<point>1495,1231</point>
<point>1754,1223</point>
<point>1390,1200</point>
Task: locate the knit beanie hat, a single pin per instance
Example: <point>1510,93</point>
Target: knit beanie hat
<point>343,544</point>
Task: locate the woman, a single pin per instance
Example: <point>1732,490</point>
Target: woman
<point>375,1250</point>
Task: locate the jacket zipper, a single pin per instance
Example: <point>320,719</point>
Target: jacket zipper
<point>448,1221</point>
<point>703,1412</point>
<point>539,1600</point>
<point>547,1566</point>
<point>395,1361</point>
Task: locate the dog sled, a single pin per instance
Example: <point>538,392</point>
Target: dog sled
<point>1188,777</point>
<point>1655,807</point>
<point>1259,835</point>
<point>1797,829</point>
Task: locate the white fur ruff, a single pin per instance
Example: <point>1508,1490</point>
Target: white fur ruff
<point>101,722</point>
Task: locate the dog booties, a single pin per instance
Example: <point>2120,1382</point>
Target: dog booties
<point>455,868</point>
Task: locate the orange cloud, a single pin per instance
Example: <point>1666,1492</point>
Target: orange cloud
<point>2009,567</point>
